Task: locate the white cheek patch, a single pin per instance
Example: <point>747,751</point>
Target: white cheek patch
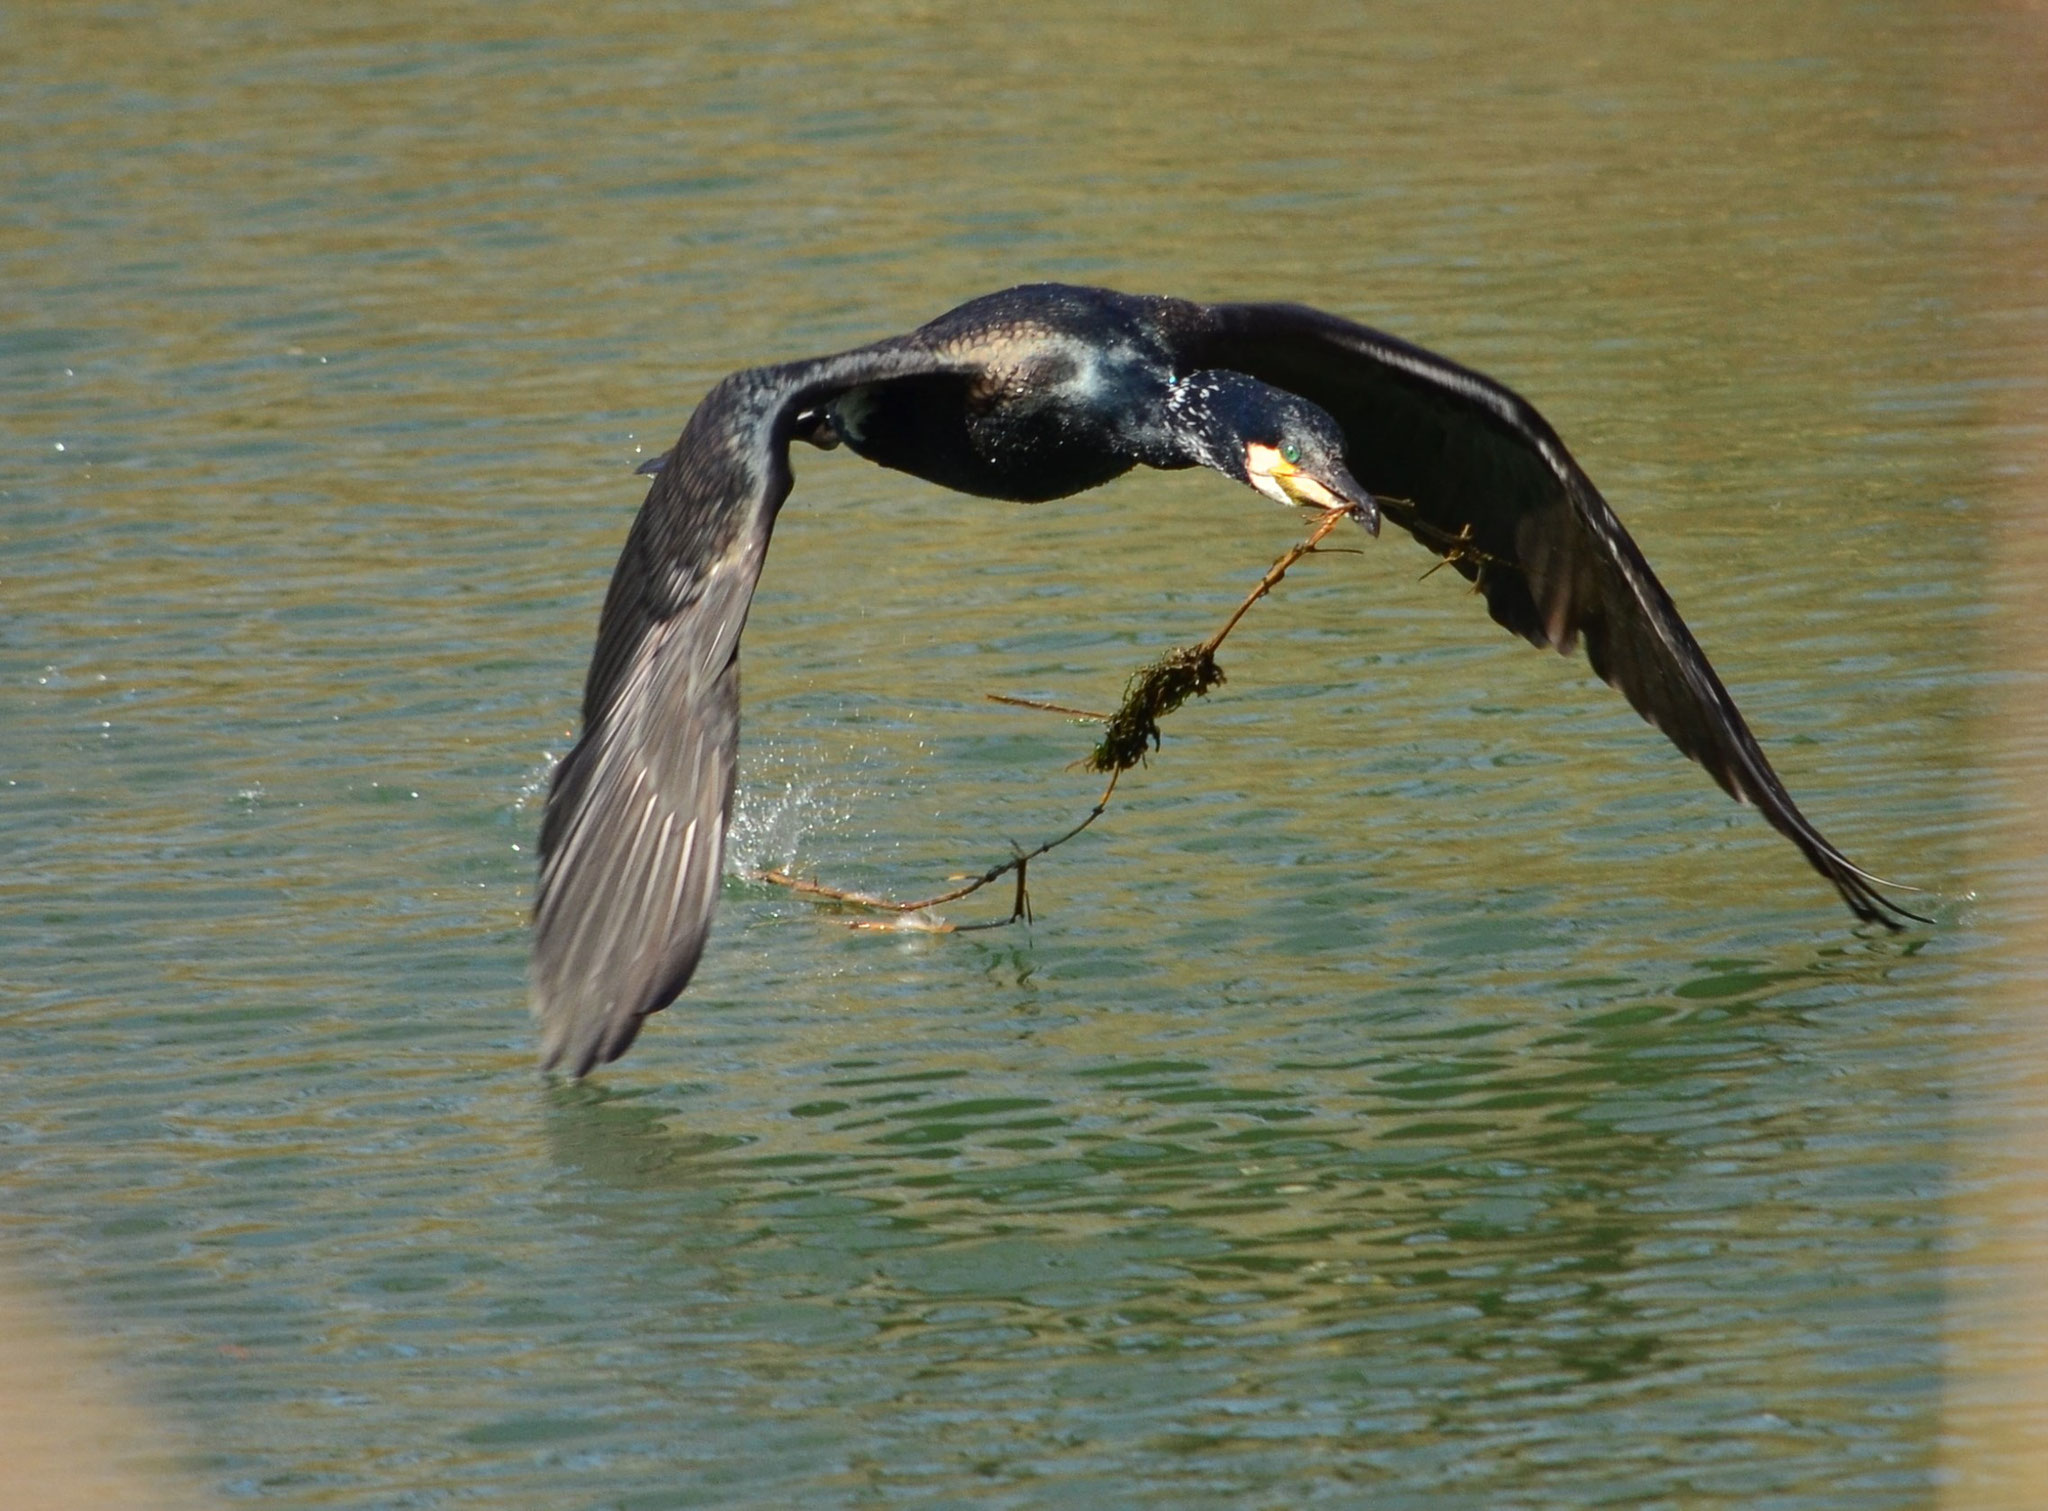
<point>1264,466</point>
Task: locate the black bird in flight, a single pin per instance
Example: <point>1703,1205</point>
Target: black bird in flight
<point>1036,393</point>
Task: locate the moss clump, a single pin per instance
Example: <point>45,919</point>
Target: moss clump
<point>1154,692</point>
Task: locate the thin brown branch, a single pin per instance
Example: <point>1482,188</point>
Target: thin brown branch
<point>1454,549</point>
<point>1330,520</point>
<point>1051,708</point>
<point>1021,908</point>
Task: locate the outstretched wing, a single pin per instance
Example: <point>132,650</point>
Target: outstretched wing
<point>633,841</point>
<point>1476,474</point>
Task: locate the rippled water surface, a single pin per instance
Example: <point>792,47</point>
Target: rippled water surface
<point>1422,1089</point>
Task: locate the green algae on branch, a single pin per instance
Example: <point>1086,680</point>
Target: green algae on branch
<point>1153,692</point>
<point>1157,690</point>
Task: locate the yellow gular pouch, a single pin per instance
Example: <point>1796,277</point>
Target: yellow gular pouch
<point>1283,481</point>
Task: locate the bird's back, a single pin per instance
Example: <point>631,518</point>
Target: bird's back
<point>1053,375</point>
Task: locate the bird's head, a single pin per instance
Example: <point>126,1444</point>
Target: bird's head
<point>1274,441</point>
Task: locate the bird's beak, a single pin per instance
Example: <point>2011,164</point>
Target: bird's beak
<point>1286,483</point>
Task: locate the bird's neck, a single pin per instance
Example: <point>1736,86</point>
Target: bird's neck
<point>1186,429</point>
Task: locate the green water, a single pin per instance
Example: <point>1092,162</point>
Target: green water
<point>1422,1089</point>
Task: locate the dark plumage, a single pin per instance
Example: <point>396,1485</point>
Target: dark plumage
<point>1036,393</point>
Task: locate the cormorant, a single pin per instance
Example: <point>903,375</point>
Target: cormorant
<point>1036,393</point>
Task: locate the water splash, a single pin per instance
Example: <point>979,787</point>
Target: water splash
<point>772,820</point>
<point>777,809</point>
<point>534,790</point>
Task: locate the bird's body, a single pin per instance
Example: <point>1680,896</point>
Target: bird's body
<point>1033,394</point>
<point>1042,409</point>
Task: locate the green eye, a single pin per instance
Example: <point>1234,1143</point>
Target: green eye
<point>1291,452</point>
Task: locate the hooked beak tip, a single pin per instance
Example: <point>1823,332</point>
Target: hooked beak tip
<point>1364,507</point>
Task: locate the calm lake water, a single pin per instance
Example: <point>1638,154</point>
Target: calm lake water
<point>1422,1089</point>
